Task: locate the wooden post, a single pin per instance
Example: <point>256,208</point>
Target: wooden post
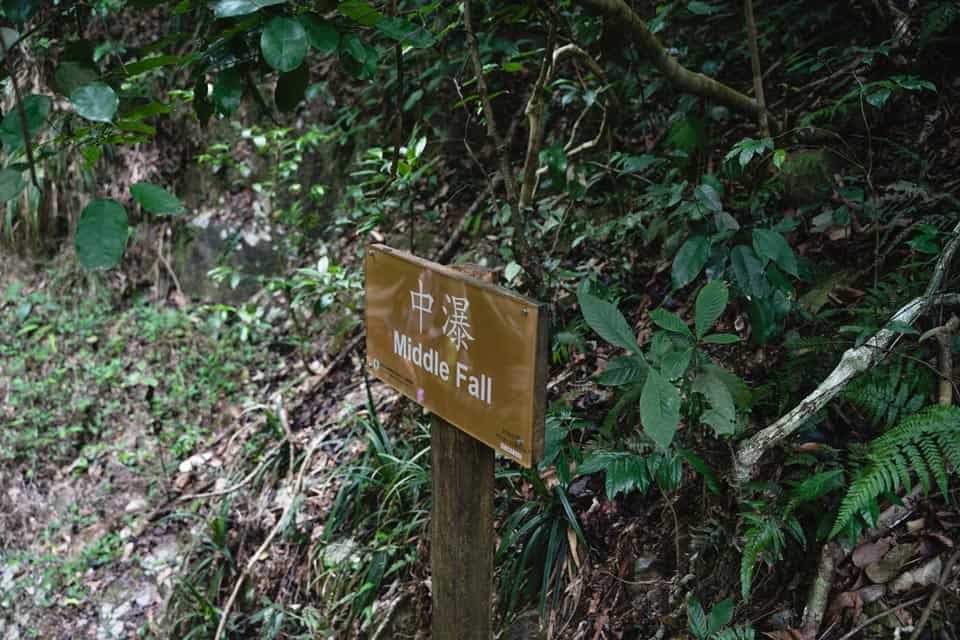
<point>461,534</point>
<point>461,526</point>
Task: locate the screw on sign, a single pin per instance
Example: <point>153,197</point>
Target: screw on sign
<point>475,355</point>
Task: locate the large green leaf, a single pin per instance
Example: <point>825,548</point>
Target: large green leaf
<point>711,301</point>
<point>11,184</point>
<point>291,87</point>
<point>405,32</point>
<point>360,11</point>
<point>36,108</point>
<point>8,38</point>
<point>21,10</point>
<point>233,8</point>
<point>607,321</point>
<point>659,409</point>
<point>738,388</point>
<point>722,412</point>
<point>227,91</point>
<point>284,44</point>
<point>321,33</point>
<point>669,321</point>
<point>748,272</point>
<point>770,245</point>
<point>156,199</point>
<point>96,101</point>
<point>101,234</point>
<point>690,260</point>
<point>73,74</point>
<point>623,370</point>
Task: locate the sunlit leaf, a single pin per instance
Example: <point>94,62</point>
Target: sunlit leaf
<point>96,101</point>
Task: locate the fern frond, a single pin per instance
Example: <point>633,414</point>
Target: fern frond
<point>889,393</point>
<point>762,540</point>
<point>931,436</point>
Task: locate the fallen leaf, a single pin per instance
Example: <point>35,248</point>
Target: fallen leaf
<point>887,569</point>
<point>923,576</point>
<point>872,593</point>
<point>871,552</point>
<point>843,601</point>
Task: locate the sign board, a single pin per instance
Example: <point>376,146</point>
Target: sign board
<point>470,352</point>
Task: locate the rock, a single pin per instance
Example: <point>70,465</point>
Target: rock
<point>163,556</point>
<point>146,596</point>
<point>210,245</point>
<point>137,504</point>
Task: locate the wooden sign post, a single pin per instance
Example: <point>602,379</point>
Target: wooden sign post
<point>475,355</point>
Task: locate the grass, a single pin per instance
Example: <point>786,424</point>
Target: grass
<point>77,376</point>
<point>85,387</point>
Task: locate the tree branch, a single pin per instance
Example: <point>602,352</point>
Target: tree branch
<point>755,65</point>
<point>684,79</point>
<point>522,247</point>
<point>853,362</point>
<point>24,125</point>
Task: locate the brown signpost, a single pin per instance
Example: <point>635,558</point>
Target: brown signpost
<point>475,355</point>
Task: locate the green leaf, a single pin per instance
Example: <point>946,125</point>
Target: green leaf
<point>96,101</point>
<point>284,44</point>
<point>748,272</point>
<point>354,47</point>
<point>73,74</point>
<point>607,321</point>
<point>721,338</point>
<point>879,97</point>
<point>36,108</point>
<point>151,63</point>
<point>360,11</point>
<point>9,38</point>
<point>698,8</point>
<point>659,409</point>
<point>690,260</point>
<point>696,619</point>
<point>234,8</point>
<point>669,321</point>
<point>720,615</point>
<point>722,413</point>
<point>695,461</point>
<point>21,10</point>
<point>101,234</point>
<point>228,91</point>
<point>623,370</point>
<point>405,32</point>
<point>321,33</point>
<point>511,271</point>
<point>779,157</point>
<point>738,389</point>
<point>708,197</point>
<point>11,184</point>
<point>291,87</point>
<point>770,245</point>
<point>711,301</point>
<point>156,199</point>
<point>675,362</point>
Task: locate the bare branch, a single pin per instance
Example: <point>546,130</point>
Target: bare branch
<point>853,362</point>
<point>755,65</point>
<point>684,79</point>
<point>24,125</point>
